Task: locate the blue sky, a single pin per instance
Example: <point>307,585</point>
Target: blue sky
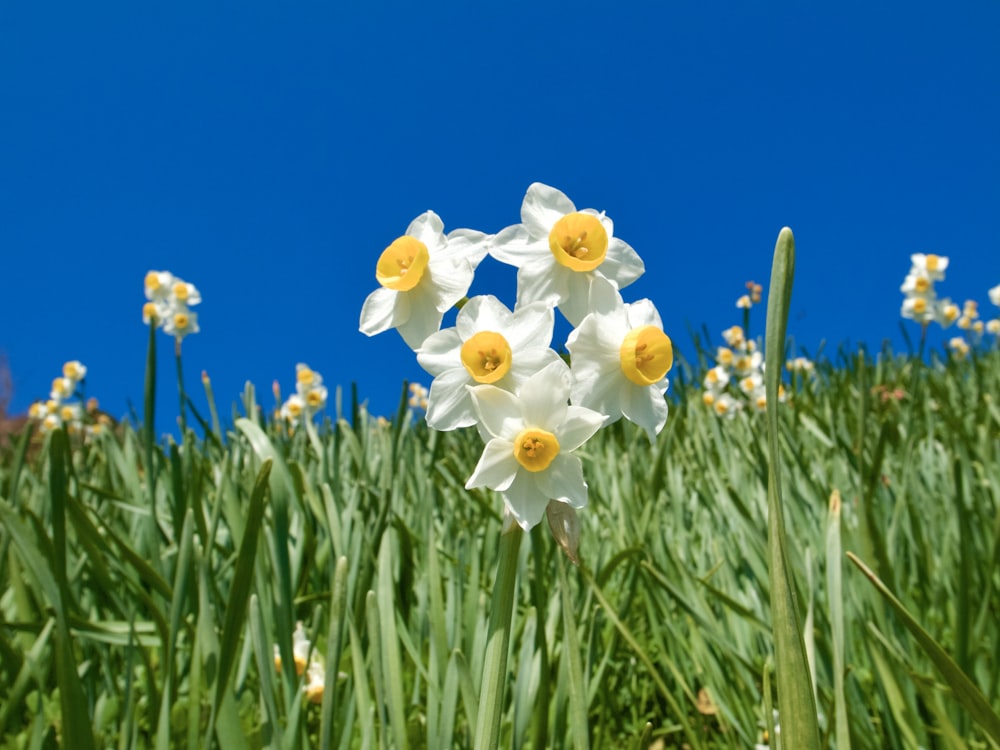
<point>268,154</point>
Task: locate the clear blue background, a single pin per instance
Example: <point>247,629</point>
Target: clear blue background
<point>268,154</point>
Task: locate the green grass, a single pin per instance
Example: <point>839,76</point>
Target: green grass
<point>140,613</point>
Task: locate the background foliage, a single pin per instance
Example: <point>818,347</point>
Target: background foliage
<point>145,584</point>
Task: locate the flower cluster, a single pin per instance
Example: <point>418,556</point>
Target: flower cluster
<point>496,368</point>
<point>309,397</point>
<point>752,297</point>
<point>418,396</point>
<point>920,301</point>
<point>169,301</point>
<point>61,410</point>
<point>308,662</point>
<point>740,364</point>
<point>922,305</point>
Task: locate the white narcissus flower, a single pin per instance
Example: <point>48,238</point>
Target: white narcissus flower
<point>301,648</point>
<point>994,295</point>
<point>620,362</point>
<point>564,257</point>
<point>180,322</point>
<point>293,408</point>
<point>422,274</point>
<point>488,345</point>
<point>74,370</point>
<point>919,308</point>
<point>158,285</point>
<point>529,441</point>
<point>930,265</point>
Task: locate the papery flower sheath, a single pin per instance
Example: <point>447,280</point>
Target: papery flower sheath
<point>620,362</point>
<point>488,345</point>
<point>529,442</point>
<point>564,257</point>
<point>421,275</point>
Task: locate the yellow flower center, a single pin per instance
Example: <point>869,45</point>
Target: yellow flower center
<point>721,407</point>
<point>181,291</point>
<point>59,385</point>
<point>579,242</point>
<point>919,305</point>
<point>152,281</point>
<point>402,264</point>
<point>314,399</point>
<point>932,262</point>
<point>486,356</point>
<point>646,355</point>
<point>707,398</point>
<point>181,321</point>
<point>305,376</point>
<point>922,284</point>
<point>149,310</point>
<point>314,693</point>
<point>67,413</point>
<point>71,370</point>
<point>724,356</point>
<point>535,449</point>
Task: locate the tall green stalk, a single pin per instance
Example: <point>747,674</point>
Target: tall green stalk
<point>497,643</point>
<point>796,702</point>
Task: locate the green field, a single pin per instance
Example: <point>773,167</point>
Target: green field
<point>145,583</point>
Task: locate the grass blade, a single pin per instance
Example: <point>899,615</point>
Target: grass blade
<point>965,691</point>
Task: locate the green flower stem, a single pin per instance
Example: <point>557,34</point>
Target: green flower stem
<point>180,389</point>
<point>497,644</point>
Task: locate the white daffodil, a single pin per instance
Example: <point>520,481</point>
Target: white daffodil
<point>293,409</point>
<point>725,405</point>
<point>315,683</point>
<point>959,347</point>
<point>930,265</point>
<point>993,326</point>
<point>994,295</point>
<point>735,337</point>
<point>716,379</point>
<point>564,257</point>
<point>315,398</point>
<point>155,312</point>
<point>306,378</point>
<point>159,285</point>
<point>620,362</point>
<point>488,345</point>
<point>917,284</point>
<point>184,293</point>
<point>62,389</point>
<point>919,308</point>
<point>529,441</point>
<point>946,312</point>
<point>180,322</point>
<point>301,648</point>
<point>74,370</point>
<point>422,274</point>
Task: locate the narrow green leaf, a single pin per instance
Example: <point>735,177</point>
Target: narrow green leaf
<point>964,689</point>
<point>239,591</point>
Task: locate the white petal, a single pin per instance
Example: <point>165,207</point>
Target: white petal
<point>497,467</point>
<point>531,326</point>
<point>516,247</point>
<point>449,405</point>
<point>544,397</point>
<point>600,391</point>
<point>542,280</point>
<point>424,317</point>
<point>499,412</point>
<point>525,501</point>
<point>622,264</point>
<point>647,408</point>
<point>580,424</point>
<point>526,363</point>
<point>543,206</point>
<point>575,304</point>
<point>643,313</point>
<point>440,351</point>
<point>482,313</point>
<point>563,481</point>
<point>429,229</point>
<point>448,280</point>
<point>384,309</point>
<point>467,244</point>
